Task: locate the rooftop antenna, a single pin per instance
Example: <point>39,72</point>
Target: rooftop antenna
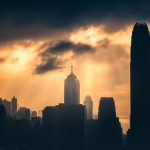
<point>71,68</point>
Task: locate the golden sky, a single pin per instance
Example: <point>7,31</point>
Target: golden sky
<point>102,72</point>
<point>40,40</point>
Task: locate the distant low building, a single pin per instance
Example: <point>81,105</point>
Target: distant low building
<point>33,114</point>
<point>23,113</point>
<point>7,105</point>
<point>89,106</point>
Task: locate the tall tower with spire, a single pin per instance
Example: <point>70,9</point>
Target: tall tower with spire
<point>139,132</point>
<point>72,89</point>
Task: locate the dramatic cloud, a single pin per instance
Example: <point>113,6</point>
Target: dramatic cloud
<point>43,36</point>
<point>49,58</point>
<point>48,64</point>
<point>65,46</point>
<point>37,19</point>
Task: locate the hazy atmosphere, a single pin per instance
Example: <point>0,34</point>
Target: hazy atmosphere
<point>38,44</point>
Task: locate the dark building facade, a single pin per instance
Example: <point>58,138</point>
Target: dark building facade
<point>110,131</point>
<point>72,89</point>
<point>33,114</point>
<point>23,113</point>
<point>2,123</point>
<point>65,126</point>
<point>7,105</point>
<point>138,134</point>
<point>48,115</point>
<point>70,127</point>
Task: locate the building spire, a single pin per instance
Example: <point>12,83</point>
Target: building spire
<point>71,68</point>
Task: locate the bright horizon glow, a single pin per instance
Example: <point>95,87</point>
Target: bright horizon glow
<point>97,75</point>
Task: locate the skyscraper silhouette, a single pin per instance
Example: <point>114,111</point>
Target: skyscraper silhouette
<point>48,120</point>
<point>70,127</point>
<point>2,123</point>
<point>89,106</point>
<point>64,126</point>
<point>138,134</point>
<point>110,131</point>
<point>72,89</point>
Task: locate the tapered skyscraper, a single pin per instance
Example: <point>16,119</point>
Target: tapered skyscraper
<point>110,134</point>
<point>138,134</point>
<point>72,89</point>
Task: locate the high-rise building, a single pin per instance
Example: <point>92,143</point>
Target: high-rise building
<point>14,107</point>
<point>48,116</point>
<point>107,110</point>
<point>138,134</point>
<point>110,131</point>
<point>72,89</point>
<point>70,123</point>
<point>89,106</point>
<point>65,126</point>
<point>2,122</point>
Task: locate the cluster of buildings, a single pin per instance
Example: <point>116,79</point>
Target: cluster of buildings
<point>70,125</point>
<point>14,112</point>
<point>11,106</point>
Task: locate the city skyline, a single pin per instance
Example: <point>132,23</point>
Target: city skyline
<point>70,125</point>
<point>39,43</point>
<point>67,81</point>
<point>95,87</point>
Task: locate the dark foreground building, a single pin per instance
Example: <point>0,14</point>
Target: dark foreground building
<point>139,132</point>
<point>64,126</point>
<point>110,133</point>
<point>2,123</point>
<point>106,132</point>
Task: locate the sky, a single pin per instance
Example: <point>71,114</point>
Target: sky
<point>39,40</point>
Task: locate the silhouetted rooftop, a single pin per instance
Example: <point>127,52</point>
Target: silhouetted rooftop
<point>107,107</point>
<point>140,30</point>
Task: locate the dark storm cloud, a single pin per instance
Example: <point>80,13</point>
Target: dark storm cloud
<point>49,59</point>
<point>48,64</point>
<point>64,46</point>
<point>37,19</point>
